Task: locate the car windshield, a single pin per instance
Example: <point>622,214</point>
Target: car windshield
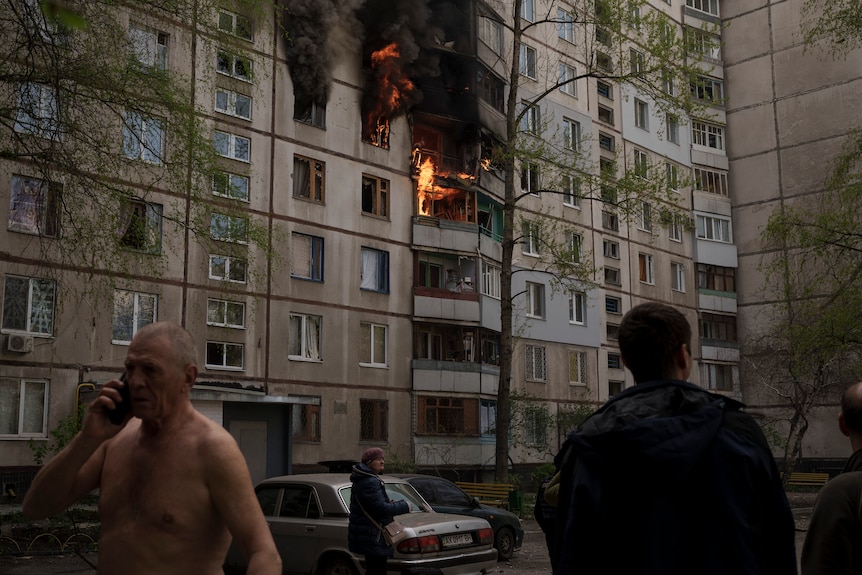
<point>396,492</point>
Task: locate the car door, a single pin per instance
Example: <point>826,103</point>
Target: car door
<point>446,497</point>
<point>295,528</point>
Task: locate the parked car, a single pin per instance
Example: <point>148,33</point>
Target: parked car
<point>308,516</point>
<point>446,497</point>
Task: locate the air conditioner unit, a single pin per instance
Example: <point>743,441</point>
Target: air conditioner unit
<point>19,343</point>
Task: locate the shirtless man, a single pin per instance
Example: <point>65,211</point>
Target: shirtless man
<point>174,486</point>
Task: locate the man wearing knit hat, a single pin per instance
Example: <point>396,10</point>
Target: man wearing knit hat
<point>370,507</point>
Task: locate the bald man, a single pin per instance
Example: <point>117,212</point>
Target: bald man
<point>833,543</point>
<point>174,486</point>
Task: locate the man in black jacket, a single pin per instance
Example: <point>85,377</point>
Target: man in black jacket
<point>667,478</point>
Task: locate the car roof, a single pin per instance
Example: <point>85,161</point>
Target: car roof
<point>330,479</point>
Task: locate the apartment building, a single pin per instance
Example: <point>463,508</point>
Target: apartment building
<point>379,321</point>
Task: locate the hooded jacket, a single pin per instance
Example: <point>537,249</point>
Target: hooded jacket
<point>363,536</point>
<point>667,478</point>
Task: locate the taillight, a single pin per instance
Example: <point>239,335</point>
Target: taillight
<point>426,544</point>
<point>486,536</point>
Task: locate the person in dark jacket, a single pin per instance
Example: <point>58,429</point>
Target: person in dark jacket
<point>545,513</point>
<point>667,478</point>
<point>368,500</point>
<point>832,543</point>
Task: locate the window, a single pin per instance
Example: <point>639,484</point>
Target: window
<point>23,408</point>
<point>604,62</point>
<point>305,422</point>
<point>568,85</point>
<point>577,367</point>
<point>373,420</point>
<point>606,142</point>
<point>603,37</point>
<point>233,104</point>
<point>228,269</point>
<point>235,24</point>
<point>578,308</point>
<point>613,305</point>
<point>232,146</point>
<point>672,176</point>
<point>308,178</point>
<point>674,229</point>
<point>565,25</point>
<point>702,44</point>
<point>571,134</point>
<point>710,181</point>
<point>531,243</point>
<point>530,180</point>
<point>530,120</point>
<point>641,163</point>
<point>141,226</point>
<point>303,340</point>
<point>132,311</point>
<point>306,257</point>
<point>641,115</point>
<point>708,6</point>
<point>48,29</point>
<point>534,363</point>
<point>488,417</point>
<point>610,221</point>
<point>713,228</point>
<point>373,347</point>
<point>611,249</point>
<point>227,228</point>
<point>615,387</point>
<point>447,416</point>
<point>605,90</point>
<point>707,135</point>
<point>646,273</point>
<point>707,89</point>
<point>528,10</point>
<point>34,206</point>
<point>374,270</point>
<point>716,376</point>
<point>431,272</point>
<point>646,217</point>
<point>638,62</point>
<point>717,278</point>
<point>143,138</point>
<point>528,61</point>
<point>667,81</point>
<point>38,111</point>
<point>634,16</point>
<point>224,355</point>
<point>535,294</point>
<point>612,331</point>
<point>375,196</point>
<point>574,241</point>
<point>233,65</point>
<point>491,89</point>
<point>227,185</point>
<point>677,277</point>
<point>224,313</point>
<point>671,123</point>
<point>571,191</point>
<point>310,112</point>
<point>606,115</point>
<point>536,423</point>
<point>491,33</point>
<point>149,47</point>
<point>491,280</point>
<point>615,361</point>
<point>718,327</point>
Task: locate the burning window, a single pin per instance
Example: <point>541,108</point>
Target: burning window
<point>390,92</point>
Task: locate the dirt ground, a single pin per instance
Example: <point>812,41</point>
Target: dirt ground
<point>531,559</point>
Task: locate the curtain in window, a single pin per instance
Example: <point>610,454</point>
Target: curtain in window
<point>301,256</point>
<point>379,336</point>
<point>369,270</point>
<point>124,305</point>
<point>42,307</point>
<point>301,178</point>
<point>10,397</point>
<point>34,407</point>
<point>312,336</point>
<point>152,140</point>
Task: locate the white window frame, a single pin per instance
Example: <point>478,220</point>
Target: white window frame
<point>220,313</point>
<point>646,268</point>
<point>535,300</point>
<point>34,296</point>
<point>672,128</point>
<point>706,135</point>
<point>711,181</point>
<point>535,363</point>
<point>572,191</point>
<point>577,367</point>
<point>139,138</point>
<point>565,25</point>
<point>230,22</point>
<point>149,47</point>
<point>228,264</point>
<point>491,280</point>
<point>574,243</point>
<point>637,61</point>
<point>674,229</point>
<point>233,65</point>
<point>677,273</point>
<point>23,384</point>
<point>38,111</point>
<point>531,244</point>
<point>706,6</point>
<point>708,89</point>
<point>374,332</point>
<point>224,346</point>
<point>646,217</point>
<point>714,228</point>
<point>491,33</point>
<point>310,337</point>
<point>568,72</point>
<point>233,104</point>
<point>233,186</point>
<point>613,276</point>
<point>226,228</point>
<point>672,176</point>
<point>234,146</point>
<point>528,61</point>
<point>578,308</point>
<point>532,118</point>
<point>139,316</point>
<point>611,249</point>
<point>528,10</point>
<point>571,134</point>
<point>641,163</point>
<point>641,114</point>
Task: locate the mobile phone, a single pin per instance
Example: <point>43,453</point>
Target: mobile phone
<point>119,413</point>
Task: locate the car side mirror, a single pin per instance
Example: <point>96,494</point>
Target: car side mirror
<point>474,502</point>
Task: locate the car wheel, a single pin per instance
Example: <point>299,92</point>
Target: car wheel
<point>337,566</point>
<point>504,542</point>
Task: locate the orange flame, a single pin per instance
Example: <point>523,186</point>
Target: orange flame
<point>391,92</point>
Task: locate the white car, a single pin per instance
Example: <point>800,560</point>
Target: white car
<point>308,516</point>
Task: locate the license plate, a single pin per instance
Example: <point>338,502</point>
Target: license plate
<point>460,539</point>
